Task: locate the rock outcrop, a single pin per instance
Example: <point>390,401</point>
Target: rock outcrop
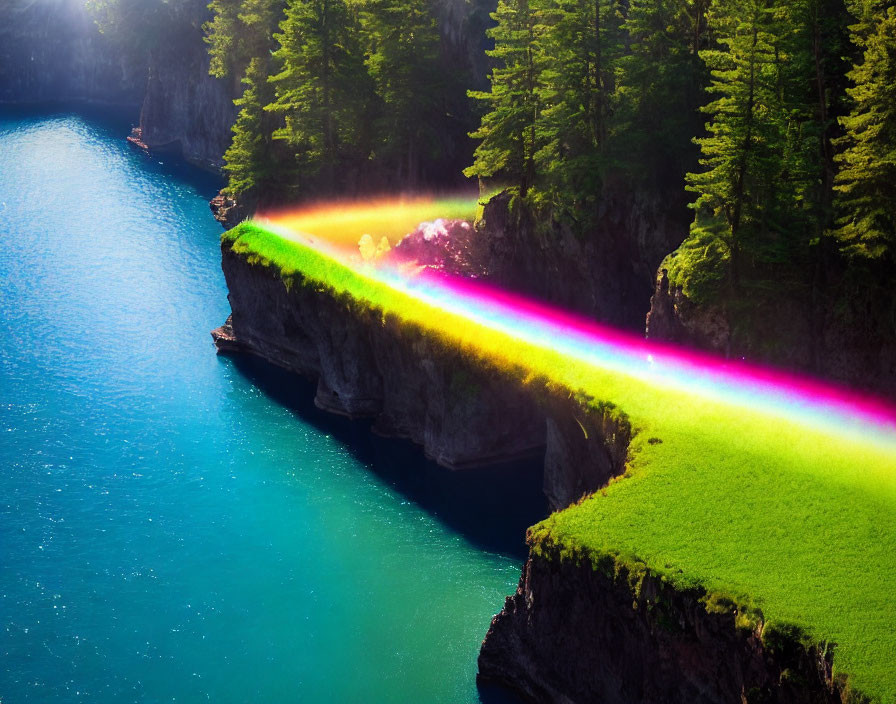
<point>587,445</point>
<point>52,51</point>
<point>186,110</point>
<point>608,274</point>
<point>673,318</point>
<point>574,632</point>
<point>230,211</point>
<point>462,410</point>
<point>845,346</point>
<point>444,246</point>
<point>463,414</point>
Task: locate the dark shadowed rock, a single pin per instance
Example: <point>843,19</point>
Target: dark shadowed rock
<point>836,343</point>
<point>573,633</point>
<point>185,110</point>
<point>52,51</point>
<point>606,273</point>
<point>587,445</point>
<point>230,211</point>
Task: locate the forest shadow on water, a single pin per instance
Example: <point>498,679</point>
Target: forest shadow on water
<point>491,507</point>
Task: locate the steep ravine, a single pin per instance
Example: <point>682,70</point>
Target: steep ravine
<point>577,630</point>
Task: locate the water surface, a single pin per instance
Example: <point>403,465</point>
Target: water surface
<point>175,526</point>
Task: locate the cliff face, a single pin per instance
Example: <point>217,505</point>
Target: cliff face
<point>184,108</point>
<point>607,274</point>
<point>462,414</point>
<point>587,446</point>
<point>51,51</point>
<point>572,633</point>
<point>847,347</point>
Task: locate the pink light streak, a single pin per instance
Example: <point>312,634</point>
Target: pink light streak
<point>785,394</point>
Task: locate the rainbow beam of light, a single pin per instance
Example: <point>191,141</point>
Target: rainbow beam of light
<point>799,398</point>
<point>335,227</point>
<point>796,398</point>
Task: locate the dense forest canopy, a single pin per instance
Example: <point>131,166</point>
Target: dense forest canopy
<point>789,104</point>
<point>341,96</point>
<point>797,95</point>
<point>777,116</point>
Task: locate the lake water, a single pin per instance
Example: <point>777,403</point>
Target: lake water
<point>177,526</point>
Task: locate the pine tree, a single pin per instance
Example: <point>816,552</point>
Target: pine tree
<point>239,31</point>
<point>810,70</point>
<point>580,44</point>
<point>660,85</point>
<point>866,182</point>
<point>402,44</point>
<point>509,133</point>
<point>322,89</point>
<point>221,35</point>
<point>248,161</point>
<point>737,192</point>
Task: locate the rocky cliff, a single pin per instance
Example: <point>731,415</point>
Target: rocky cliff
<point>576,632</point>
<point>845,341</point>
<point>578,629</point>
<point>52,51</point>
<point>606,273</point>
<point>186,110</point>
<point>462,410</point>
<point>367,366</point>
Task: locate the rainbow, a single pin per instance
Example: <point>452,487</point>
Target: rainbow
<point>740,480</point>
<point>774,392</point>
<point>797,398</point>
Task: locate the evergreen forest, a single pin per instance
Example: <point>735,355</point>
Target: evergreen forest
<point>774,119</point>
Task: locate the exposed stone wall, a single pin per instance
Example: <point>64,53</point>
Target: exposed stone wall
<point>573,633</point>
<point>846,346</point>
<point>462,413</point>
<point>606,274</point>
<point>184,108</point>
<point>52,51</point>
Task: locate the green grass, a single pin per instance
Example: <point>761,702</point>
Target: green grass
<point>790,519</point>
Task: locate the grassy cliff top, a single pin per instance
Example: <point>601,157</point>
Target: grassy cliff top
<point>748,500</point>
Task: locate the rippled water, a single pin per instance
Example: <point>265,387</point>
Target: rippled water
<point>175,526</point>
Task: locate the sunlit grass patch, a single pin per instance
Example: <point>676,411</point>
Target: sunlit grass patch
<point>733,493</point>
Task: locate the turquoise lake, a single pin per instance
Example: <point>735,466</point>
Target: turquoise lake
<point>181,527</point>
